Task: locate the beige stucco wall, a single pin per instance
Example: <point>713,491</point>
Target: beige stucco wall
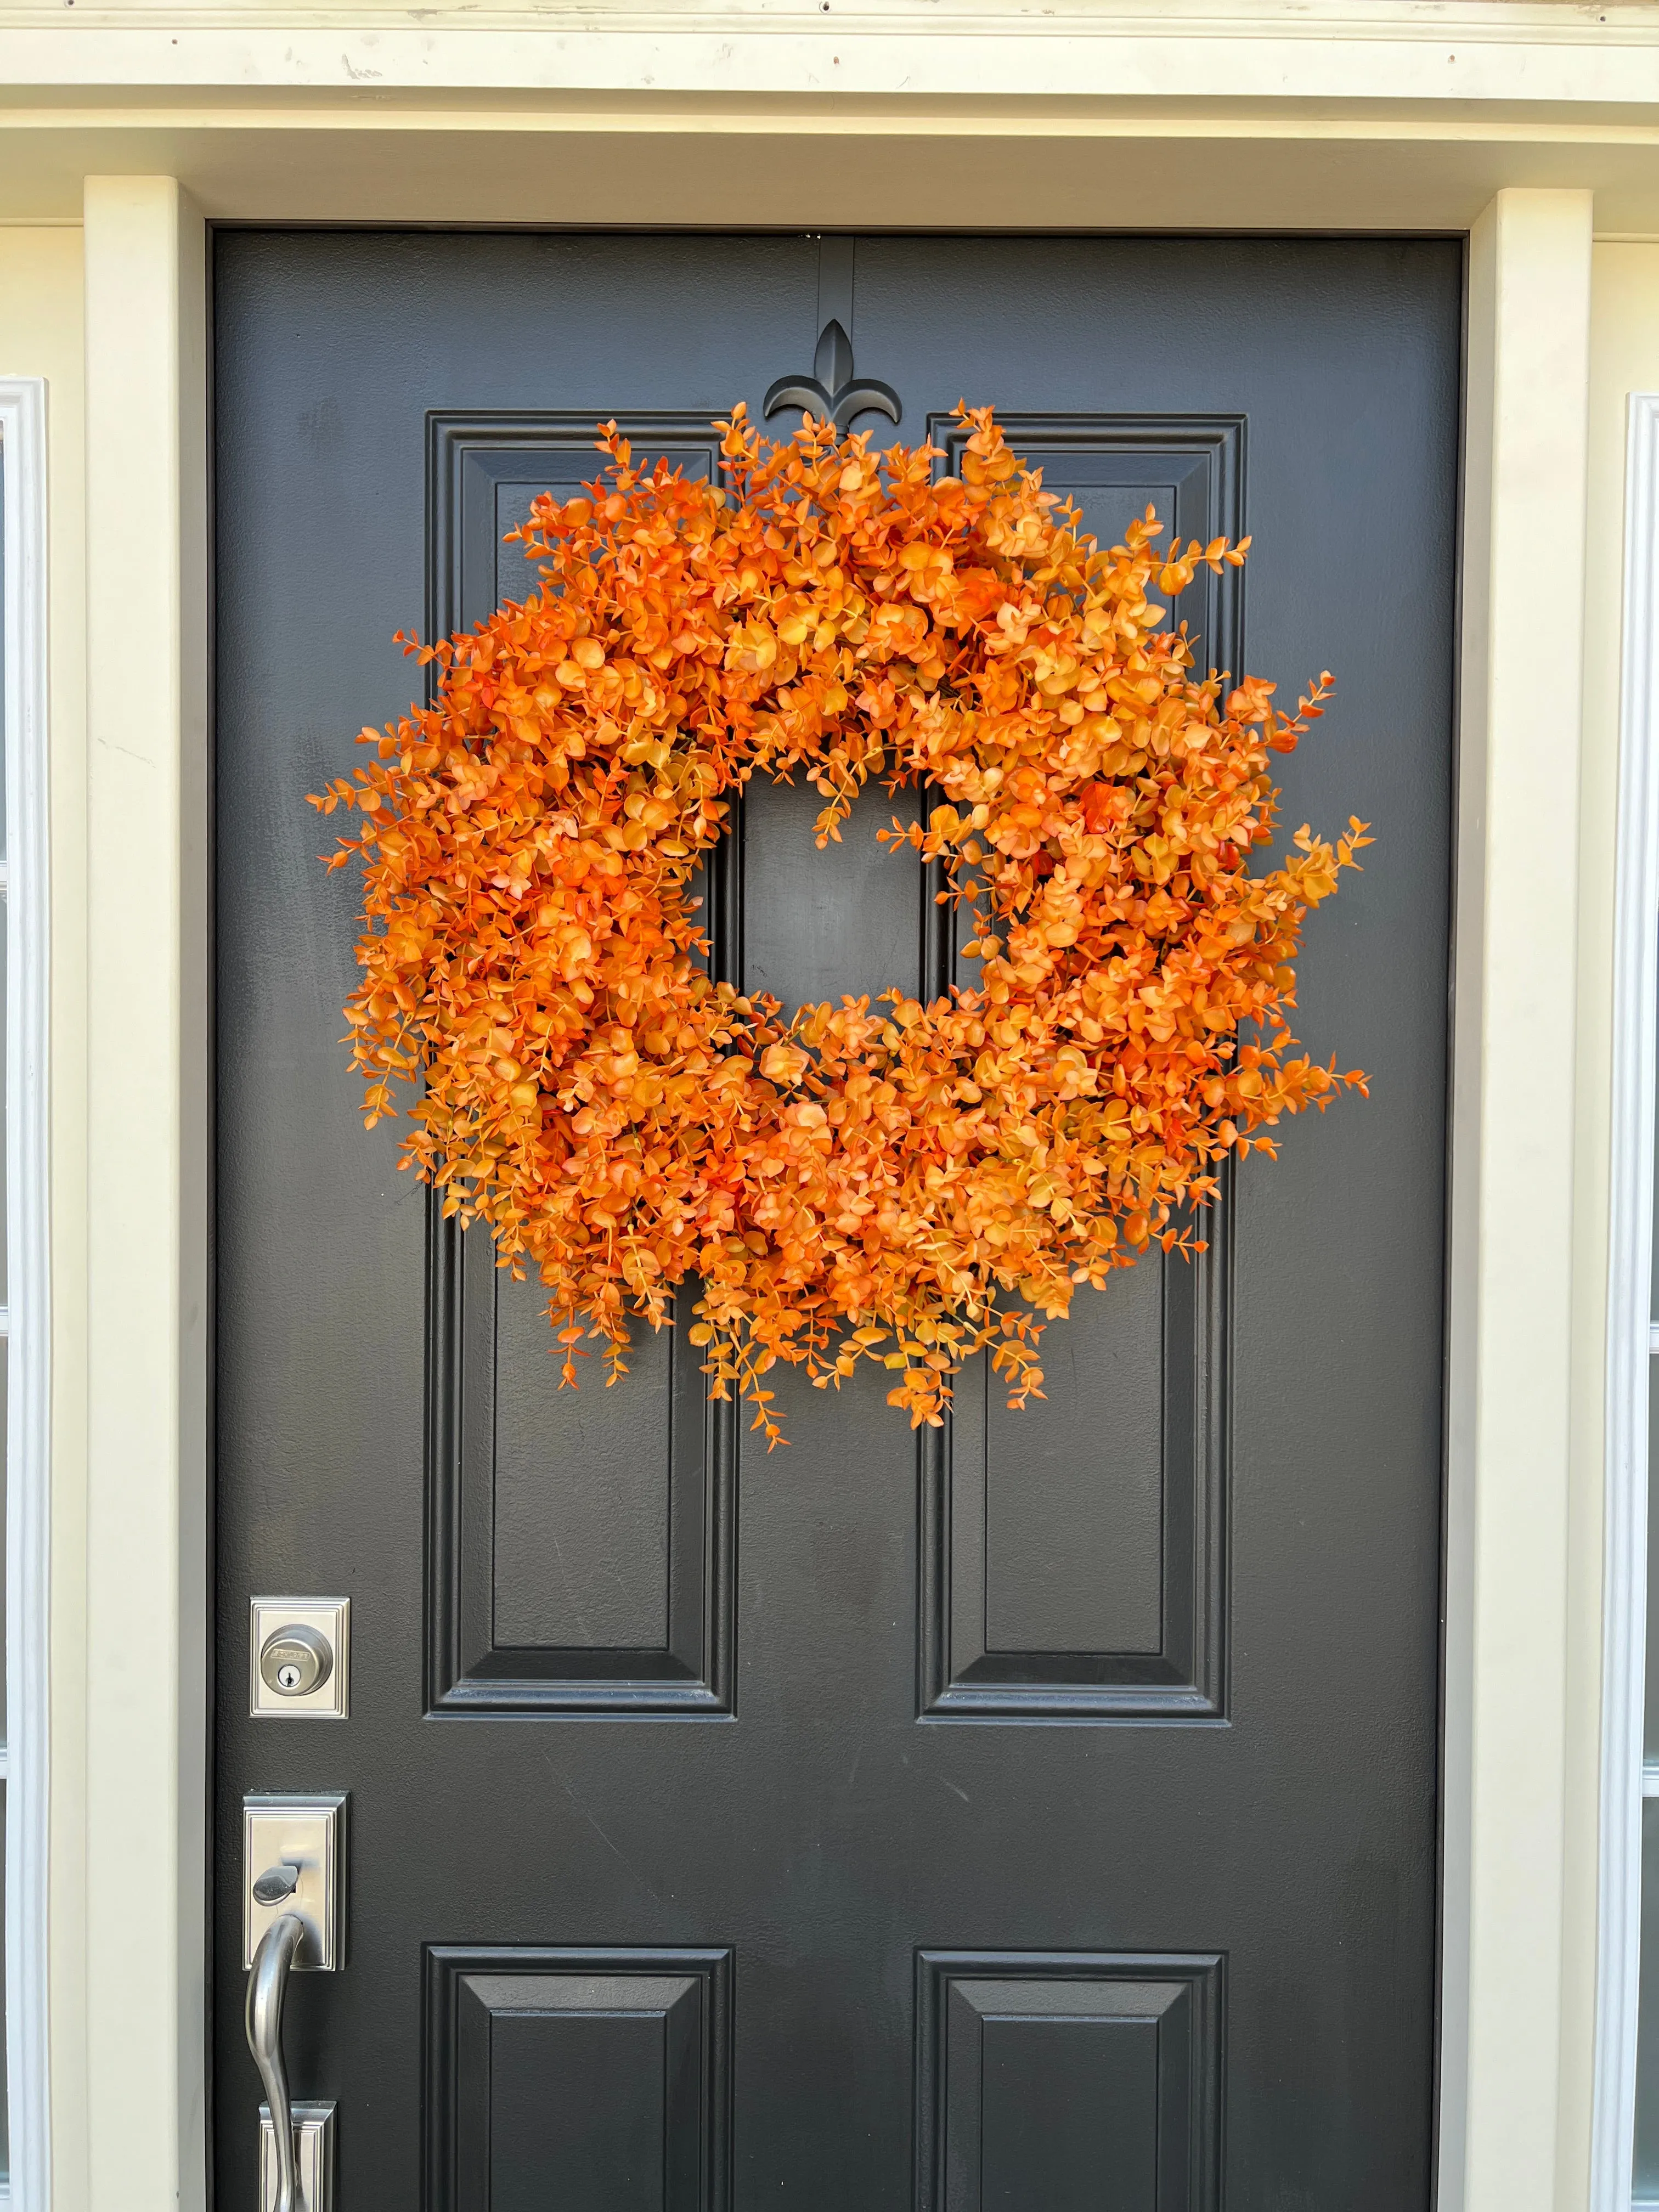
<point>1530,2140</point>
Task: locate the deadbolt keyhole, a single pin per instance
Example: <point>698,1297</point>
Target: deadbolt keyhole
<point>295,1660</point>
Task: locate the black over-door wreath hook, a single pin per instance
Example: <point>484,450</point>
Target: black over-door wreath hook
<point>831,392</point>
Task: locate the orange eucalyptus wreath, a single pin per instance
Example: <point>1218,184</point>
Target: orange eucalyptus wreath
<point>901,1182</point>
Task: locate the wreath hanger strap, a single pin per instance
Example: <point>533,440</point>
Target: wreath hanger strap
<point>830,392</point>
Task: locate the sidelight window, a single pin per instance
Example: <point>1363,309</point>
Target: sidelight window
<point>1645,2159</point>
<point>1626,2136</point>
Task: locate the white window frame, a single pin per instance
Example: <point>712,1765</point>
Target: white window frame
<point>25,1317</point>
<point>1633,1339</point>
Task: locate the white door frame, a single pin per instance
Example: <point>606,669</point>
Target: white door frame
<point>140,2114</point>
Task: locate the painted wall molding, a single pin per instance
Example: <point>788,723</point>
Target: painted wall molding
<point>28,1466</point>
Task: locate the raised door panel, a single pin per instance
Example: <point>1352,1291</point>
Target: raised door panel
<point>484,469</point>
<point>597,2081</point>
<point>1068,2082</point>
<point>1074,1553</point>
<point>579,1540</point>
<point>1113,467</point>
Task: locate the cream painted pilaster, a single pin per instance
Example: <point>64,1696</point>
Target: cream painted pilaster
<point>146,434</point>
<point>1508,1657</point>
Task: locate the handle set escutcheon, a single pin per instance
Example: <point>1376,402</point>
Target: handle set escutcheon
<point>293,1918</point>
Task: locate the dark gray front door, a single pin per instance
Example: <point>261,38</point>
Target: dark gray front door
<point>1041,1820</point>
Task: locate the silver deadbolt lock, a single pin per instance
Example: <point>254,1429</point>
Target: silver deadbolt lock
<point>299,1655</point>
<point>296,1660</point>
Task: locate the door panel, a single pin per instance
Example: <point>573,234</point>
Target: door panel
<point>1114,467</point>
<point>1073,1553</point>
<point>1060,2083</point>
<point>594,2080</point>
<point>1038,1813</point>
<point>578,1542</point>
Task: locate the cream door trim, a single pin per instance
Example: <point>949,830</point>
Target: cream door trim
<point>1509,1386</point>
<point>146,1292</point>
<point>1515,2062</point>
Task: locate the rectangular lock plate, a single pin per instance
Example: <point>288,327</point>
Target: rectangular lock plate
<point>329,1618</point>
<point>309,1834</point>
<point>314,2150</point>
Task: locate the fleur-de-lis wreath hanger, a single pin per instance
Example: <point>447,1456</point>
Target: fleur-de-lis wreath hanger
<point>831,392</point>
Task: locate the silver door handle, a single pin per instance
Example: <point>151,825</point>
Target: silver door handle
<point>292,1921</point>
<point>267,1985</point>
